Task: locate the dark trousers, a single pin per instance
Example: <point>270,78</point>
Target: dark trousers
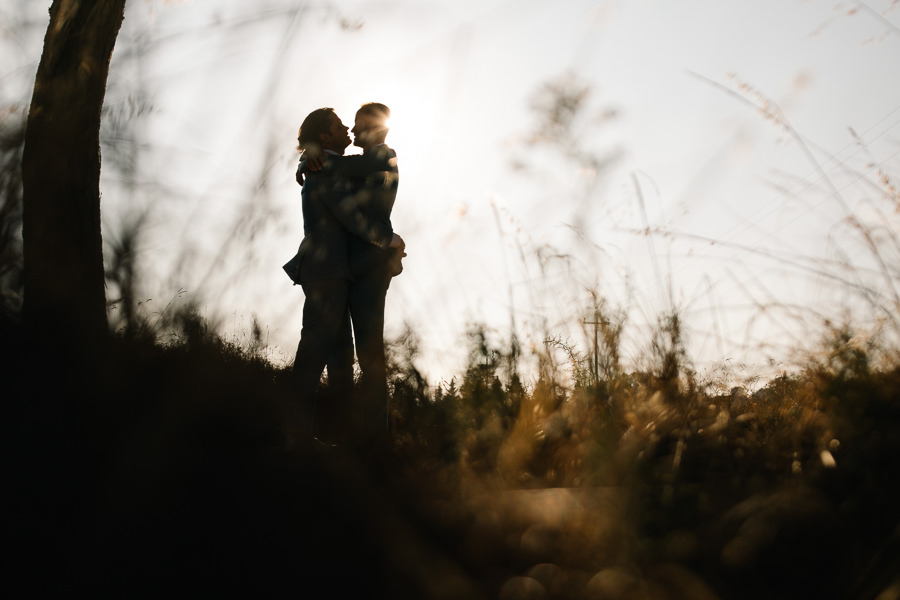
<point>325,341</point>
<point>367,296</point>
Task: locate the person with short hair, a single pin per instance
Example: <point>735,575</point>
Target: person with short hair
<point>366,185</point>
<point>372,267</point>
<point>322,267</point>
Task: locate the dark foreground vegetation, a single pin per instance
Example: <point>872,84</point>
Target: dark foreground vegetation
<point>165,461</point>
<point>172,467</point>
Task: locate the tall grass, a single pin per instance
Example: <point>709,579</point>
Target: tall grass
<point>781,492</point>
<point>171,461</point>
<point>653,480</point>
<point>176,457</point>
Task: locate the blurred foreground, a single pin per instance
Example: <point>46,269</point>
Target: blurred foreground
<point>175,467</point>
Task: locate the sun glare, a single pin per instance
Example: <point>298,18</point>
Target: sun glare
<point>413,123</point>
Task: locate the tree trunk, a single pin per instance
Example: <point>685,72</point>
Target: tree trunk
<point>64,293</point>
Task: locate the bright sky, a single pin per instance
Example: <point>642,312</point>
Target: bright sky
<point>501,230</point>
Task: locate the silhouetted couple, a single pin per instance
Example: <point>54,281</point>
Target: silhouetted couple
<point>345,263</point>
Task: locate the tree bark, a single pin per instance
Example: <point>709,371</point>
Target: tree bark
<point>64,293</point>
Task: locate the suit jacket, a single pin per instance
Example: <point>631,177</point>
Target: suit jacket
<point>371,181</point>
<point>330,221</point>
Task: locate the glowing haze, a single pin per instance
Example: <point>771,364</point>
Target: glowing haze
<point>510,222</point>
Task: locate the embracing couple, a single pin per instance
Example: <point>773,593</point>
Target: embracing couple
<point>345,263</point>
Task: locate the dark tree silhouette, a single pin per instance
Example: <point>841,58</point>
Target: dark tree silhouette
<point>64,280</point>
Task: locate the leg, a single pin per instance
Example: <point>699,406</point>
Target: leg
<point>340,363</point>
<point>367,297</point>
<point>335,415</point>
<point>324,324</point>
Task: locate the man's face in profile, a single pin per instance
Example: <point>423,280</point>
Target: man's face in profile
<point>366,130</point>
<point>337,138</point>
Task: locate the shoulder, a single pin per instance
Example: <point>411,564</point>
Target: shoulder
<point>348,160</point>
<point>353,166</point>
<point>384,152</point>
<point>382,158</point>
<point>330,166</point>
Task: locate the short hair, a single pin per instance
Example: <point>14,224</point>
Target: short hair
<point>375,109</point>
<point>316,123</point>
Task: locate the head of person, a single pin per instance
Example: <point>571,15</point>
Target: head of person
<point>322,129</point>
<point>371,125</point>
